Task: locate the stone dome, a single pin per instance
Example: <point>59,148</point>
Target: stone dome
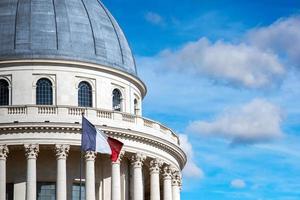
<point>72,30</point>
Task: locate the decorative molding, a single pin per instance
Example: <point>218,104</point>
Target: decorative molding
<point>31,151</point>
<point>38,76</point>
<point>62,151</point>
<point>155,165</point>
<point>176,178</point>
<point>90,156</point>
<point>91,81</point>
<point>4,151</point>
<point>137,160</point>
<point>159,143</point>
<point>154,141</point>
<point>6,77</point>
<point>167,172</point>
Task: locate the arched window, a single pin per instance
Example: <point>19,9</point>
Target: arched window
<point>44,92</point>
<point>4,93</point>
<point>136,107</point>
<point>85,94</point>
<point>117,100</point>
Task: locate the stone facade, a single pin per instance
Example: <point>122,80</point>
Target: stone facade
<point>40,144</point>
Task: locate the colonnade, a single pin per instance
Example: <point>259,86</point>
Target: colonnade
<point>170,176</point>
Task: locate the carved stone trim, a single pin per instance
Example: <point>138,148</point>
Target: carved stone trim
<point>62,151</point>
<point>176,178</point>
<point>137,160</point>
<point>167,172</point>
<point>172,149</point>
<point>3,152</point>
<point>155,165</point>
<point>90,156</point>
<point>164,145</point>
<point>31,151</point>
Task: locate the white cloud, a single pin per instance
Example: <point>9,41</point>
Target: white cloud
<point>191,170</point>
<point>282,37</point>
<point>238,183</point>
<point>154,18</point>
<point>259,60</point>
<point>254,122</point>
<point>240,64</point>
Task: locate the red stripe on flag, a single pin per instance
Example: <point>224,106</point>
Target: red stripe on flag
<point>116,147</point>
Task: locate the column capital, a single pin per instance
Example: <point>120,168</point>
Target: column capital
<point>155,165</point>
<point>62,151</point>
<point>176,178</point>
<point>167,172</point>
<point>31,151</point>
<point>120,158</point>
<point>90,155</point>
<point>137,160</point>
<point>3,152</point>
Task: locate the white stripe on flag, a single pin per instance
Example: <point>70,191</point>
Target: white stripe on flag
<point>102,145</point>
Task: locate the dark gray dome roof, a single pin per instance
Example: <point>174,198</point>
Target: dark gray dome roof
<point>80,30</point>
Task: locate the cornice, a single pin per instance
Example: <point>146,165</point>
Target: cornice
<point>120,133</point>
<point>39,127</point>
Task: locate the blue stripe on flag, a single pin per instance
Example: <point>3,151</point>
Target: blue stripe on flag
<point>88,137</point>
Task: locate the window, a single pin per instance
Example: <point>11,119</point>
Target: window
<point>44,94</point>
<point>136,107</point>
<point>85,94</point>
<point>4,93</point>
<point>75,191</point>
<point>46,191</point>
<point>9,191</point>
<point>117,100</point>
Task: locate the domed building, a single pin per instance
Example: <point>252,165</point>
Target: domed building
<point>59,59</point>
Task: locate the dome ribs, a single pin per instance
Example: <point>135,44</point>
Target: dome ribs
<point>92,30</point>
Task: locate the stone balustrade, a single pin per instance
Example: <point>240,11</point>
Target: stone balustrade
<point>68,114</point>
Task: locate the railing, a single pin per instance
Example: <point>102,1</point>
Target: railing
<point>104,114</point>
<point>76,111</point>
<point>47,110</point>
<point>72,113</point>
<point>16,110</point>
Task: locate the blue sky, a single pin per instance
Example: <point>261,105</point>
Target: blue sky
<point>225,76</point>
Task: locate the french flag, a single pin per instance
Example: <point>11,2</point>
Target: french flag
<point>93,139</point>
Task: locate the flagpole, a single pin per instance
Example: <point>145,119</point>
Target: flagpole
<point>80,178</point>
<point>80,167</point>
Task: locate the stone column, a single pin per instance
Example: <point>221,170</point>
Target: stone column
<point>61,151</point>
<point>90,193</point>
<point>167,181</point>
<point>138,185</point>
<point>3,155</point>
<point>176,185</point>
<point>31,152</point>
<point>116,178</point>
<point>155,165</point>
